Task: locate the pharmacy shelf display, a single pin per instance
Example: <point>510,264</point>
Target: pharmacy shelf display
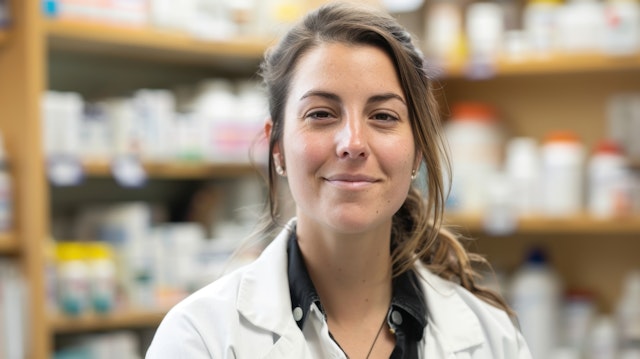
<point>544,65</point>
<point>539,225</point>
<point>64,324</point>
<point>152,45</point>
<point>177,170</point>
<point>532,105</point>
<point>535,97</point>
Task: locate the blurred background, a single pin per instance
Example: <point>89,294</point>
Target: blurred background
<point>126,181</point>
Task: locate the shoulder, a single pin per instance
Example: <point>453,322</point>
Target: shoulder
<point>463,321</point>
<point>243,306</point>
<point>188,329</point>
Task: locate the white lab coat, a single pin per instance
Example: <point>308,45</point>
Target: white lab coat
<point>247,315</point>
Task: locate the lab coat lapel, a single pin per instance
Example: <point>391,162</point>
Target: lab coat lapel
<point>452,325</point>
<point>263,297</point>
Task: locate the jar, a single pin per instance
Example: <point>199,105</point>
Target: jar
<point>563,158</point>
<point>73,278</point>
<point>475,142</point>
<point>485,30</point>
<point>540,24</point>
<point>609,181</point>
<point>622,27</point>
<point>102,275</point>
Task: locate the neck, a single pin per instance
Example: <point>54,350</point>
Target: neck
<point>351,272</point>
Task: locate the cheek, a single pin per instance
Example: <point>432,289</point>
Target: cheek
<point>304,153</point>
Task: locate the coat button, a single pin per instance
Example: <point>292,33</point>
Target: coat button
<point>396,317</point>
<point>297,313</point>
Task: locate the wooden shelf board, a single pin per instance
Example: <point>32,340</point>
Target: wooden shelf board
<point>152,44</point>
<point>581,224</point>
<point>552,64</point>
<point>61,324</point>
<point>8,244</point>
<point>4,35</point>
<point>177,170</point>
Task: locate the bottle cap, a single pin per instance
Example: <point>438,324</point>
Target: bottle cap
<point>474,111</point>
<point>562,136</point>
<point>609,147</point>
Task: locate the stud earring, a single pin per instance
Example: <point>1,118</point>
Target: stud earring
<point>413,174</point>
<point>277,161</point>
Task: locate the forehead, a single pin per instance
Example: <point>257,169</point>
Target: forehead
<point>345,67</point>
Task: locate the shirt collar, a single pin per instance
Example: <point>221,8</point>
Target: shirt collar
<point>407,297</point>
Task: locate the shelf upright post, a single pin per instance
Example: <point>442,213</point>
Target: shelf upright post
<point>22,81</point>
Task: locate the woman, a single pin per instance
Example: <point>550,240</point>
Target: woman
<point>364,270</point>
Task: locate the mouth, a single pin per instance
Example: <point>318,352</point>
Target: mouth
<point>350,181</point>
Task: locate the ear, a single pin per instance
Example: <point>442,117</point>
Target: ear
<point>268,127</point>
<point>418,161</point>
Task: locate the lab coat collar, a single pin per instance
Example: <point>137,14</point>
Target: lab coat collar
<point>268,274</point>
<point>451,321</point>
<point>450,318</point>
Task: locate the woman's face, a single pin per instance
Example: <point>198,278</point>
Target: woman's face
<point>347,143</point>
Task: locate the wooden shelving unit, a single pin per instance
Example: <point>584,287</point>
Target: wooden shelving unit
<point>575,225</point>
<point>547,65</point>
<point>4,35</point>
<point>178,170</point>
<point>9,244</point>
<point>61,324</point>
<point>534,96</point>
<point>153,45</point>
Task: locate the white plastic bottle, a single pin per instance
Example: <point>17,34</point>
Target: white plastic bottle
<point>535,295</point>
<point>581,24</point>
<point>73,278</point>
<point>563,160</point>
<point>628,312</point>
<point>522,166</point>
<point>602,340</point>
<point>6,203</point>
<point>102,277</point>
<point>622,27</point>
<point>475,140</point>
<point>609,181</point>
<point>540,22</point>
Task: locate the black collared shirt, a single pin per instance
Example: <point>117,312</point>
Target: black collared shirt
<point>406,316</point>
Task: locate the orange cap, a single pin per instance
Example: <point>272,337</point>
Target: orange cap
<point>562,136</point>
<point>474,111</point>
<point>608,146</point>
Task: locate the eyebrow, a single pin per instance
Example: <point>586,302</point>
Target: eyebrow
<point>335,98</point>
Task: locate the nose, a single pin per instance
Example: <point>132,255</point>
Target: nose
<point>352,142</point>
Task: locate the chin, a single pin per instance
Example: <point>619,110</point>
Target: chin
<point>362,223</point>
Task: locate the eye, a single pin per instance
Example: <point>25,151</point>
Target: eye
<point>382,116</point>
<point>319,115</point>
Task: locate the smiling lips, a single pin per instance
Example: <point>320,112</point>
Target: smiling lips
<point>350,181</point>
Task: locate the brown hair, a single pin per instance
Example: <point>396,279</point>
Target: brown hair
<point>417,231</point>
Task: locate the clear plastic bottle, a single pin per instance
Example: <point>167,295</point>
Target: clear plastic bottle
<point>535,295</point>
